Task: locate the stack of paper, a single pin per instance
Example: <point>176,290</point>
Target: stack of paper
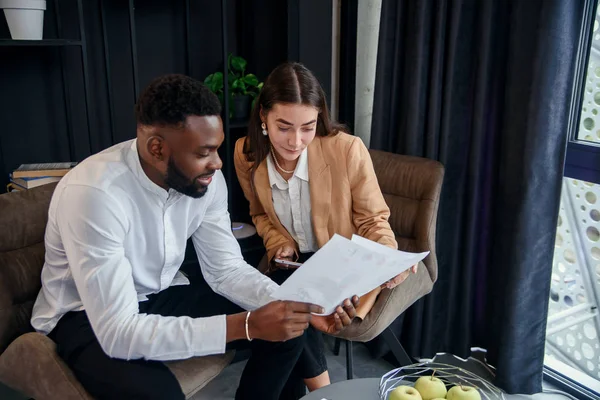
<point>343,268</point>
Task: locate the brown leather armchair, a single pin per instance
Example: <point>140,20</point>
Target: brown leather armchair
<point>411,187</point>
<point>28,360</point>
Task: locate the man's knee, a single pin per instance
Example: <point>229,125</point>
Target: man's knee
<point>292,347</point>
<point>296,343</point>
<point>288,350</point>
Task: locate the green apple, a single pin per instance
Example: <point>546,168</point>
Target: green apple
<point>405,393</point>
<point>430,387</point>
<point>463,393</point>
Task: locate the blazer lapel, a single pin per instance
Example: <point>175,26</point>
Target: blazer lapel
<point>319,181</point>
<point>261,180</point>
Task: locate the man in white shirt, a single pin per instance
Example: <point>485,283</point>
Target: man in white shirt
<point>112,296</point>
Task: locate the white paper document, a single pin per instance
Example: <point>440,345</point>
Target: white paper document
<point>343,268</point>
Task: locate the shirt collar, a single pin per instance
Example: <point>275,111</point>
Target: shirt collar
<point>133,161</point>
<point>302,166</point>
<point>300,172</point>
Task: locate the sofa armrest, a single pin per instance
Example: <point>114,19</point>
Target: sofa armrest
<point>31,365</point>
<point>195,373</point>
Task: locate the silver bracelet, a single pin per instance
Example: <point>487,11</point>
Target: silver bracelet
<point>247,334</point>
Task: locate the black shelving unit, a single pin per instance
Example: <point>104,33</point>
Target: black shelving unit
<point>61,44</point>
<point>43,42</point>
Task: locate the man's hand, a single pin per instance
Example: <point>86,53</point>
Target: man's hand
<point>398,279</point>
<point>341,317</point>
<point>279,321</point>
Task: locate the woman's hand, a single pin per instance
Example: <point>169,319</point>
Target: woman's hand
<point>398,279</point>
<point>341,317</point>
<point>285,252</point>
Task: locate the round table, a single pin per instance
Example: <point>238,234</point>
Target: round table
<point>353,389</point>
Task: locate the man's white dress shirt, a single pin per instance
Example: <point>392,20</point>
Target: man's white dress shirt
<point>113,237</point>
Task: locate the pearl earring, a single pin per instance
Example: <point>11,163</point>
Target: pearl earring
<point>264,129</point>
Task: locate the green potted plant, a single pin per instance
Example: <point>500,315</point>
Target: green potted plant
<point>243,87</point>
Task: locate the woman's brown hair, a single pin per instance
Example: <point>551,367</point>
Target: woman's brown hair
<point>289,83</point>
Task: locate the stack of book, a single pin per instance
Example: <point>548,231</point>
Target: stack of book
<point>28,176</point>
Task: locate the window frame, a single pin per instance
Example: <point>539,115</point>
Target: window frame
<point>582,159</point>
<point>582,162</point>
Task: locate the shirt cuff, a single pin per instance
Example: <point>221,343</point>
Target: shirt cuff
<point>267,297</point>
<point>210,335</point>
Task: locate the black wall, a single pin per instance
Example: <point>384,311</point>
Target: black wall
<point>43,113</point>
<point>309,38</point>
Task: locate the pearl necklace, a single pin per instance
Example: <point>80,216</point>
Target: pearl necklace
<point>277,163</point>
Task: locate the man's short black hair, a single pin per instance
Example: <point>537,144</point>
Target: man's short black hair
<point>170,99</point>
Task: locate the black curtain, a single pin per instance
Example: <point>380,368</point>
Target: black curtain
<point>484,86</point>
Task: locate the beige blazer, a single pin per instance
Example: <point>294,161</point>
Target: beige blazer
<point>344,194</point>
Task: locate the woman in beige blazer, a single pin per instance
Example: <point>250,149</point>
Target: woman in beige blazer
<point>306,179</point>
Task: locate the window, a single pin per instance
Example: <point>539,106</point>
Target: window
<point>573,332</point>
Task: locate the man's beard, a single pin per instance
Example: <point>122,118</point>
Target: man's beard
<point>177,181</point>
